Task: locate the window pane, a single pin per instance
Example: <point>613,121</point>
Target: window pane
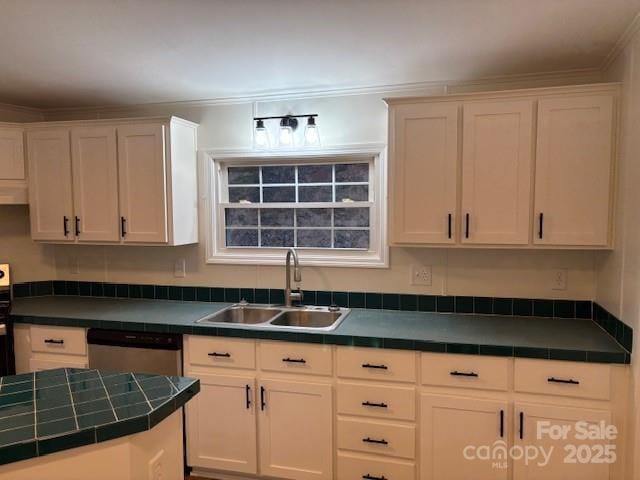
<point>314,238</point>
<point>351,239</point>
<point>313,217</point>
<point>283,174</point>
<point>243,175</point>
<point>276,238</point>
<point>241,217</point>
<point>242,238</point>
<point>244,194</point>
<point>315,194</point>
<point>278,194</point>
<point>355,193</point>
<point>351,217</point>
<point>352,172</point>
<point>315,174</point>
<point>276,217</point>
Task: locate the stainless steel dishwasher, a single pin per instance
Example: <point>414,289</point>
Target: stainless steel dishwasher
<point>140,352</point>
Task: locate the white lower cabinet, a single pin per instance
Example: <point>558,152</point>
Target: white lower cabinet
<point>452,428</point>
<point>39,347</point>
<point>221,421</point>
<point>295,430</point>
<point>568,456</point>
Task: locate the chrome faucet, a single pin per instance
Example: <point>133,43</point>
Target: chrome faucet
<point>290,296</point>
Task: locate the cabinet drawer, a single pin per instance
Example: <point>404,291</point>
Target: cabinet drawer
<point>376,364</point>
<point>465,371</point>
<point>68,340</point>
<point>378,438</point>
<point>571,379</point>
<point>221,352</point>
<point>295,358</point>
<point>377,401</point>
<point>357,467</point>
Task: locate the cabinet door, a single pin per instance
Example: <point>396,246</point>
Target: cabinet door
<point>451,424</point>
<point>296,430</point>
<point>143,193</point>
<point>50,197</point>
<point>496,172</point>
<point>424,168</point>
<point>11,154</point>
<point>573,171</point>
<point>221,424</point>
<point>529,432</point>
<point>95,183</point>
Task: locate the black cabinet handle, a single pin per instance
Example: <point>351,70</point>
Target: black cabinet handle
<point>123,226</point>
<point>371,365</point>
<point>294,360</point>
<point>569,381</point>
<point>65,225</point>
<point>77,225</point>
<point>540,226</point>
<point>449,229</point>
<point>501,423</point>
<point>456,373</point>
<point>377,405</point>
<point>217,354</point>
<point>521,430</point>
<point>382,441</point>
<point>263,402</point>
<point>54,341</point>
<point>466,226</point>
<point>372,477</point>
<point>247,392</point>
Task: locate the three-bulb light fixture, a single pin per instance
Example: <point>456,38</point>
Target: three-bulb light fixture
<point>286,137</point>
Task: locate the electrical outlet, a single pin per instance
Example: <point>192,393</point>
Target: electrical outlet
<point>560,279</point>
<point>180,268</point>
<point>156,467</point>
<point>421,275</point>
<point>74,266</point>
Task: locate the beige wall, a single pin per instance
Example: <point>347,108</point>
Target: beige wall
<point>618,273</point>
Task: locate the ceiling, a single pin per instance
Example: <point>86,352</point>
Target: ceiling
<point>71,53</point>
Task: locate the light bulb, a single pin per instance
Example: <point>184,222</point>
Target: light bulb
<point>311,133</point>
<point>261,135</point>
<point>285,139</point>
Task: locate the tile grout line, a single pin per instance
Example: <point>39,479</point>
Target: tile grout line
<point>143,394</point>
<point>106,392</point>
<point>73,407</point>
<point>35,416</point>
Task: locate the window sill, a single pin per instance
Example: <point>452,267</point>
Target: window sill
<point>306,259</point>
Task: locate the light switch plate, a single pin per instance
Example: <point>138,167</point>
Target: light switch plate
<point>560,278</point>
<point>421,275</point>
<point>180,268</point>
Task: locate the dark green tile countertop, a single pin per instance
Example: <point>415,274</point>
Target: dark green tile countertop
<point>532,337</point>
<point>55,410</point>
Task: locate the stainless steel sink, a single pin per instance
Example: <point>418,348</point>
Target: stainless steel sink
<point>242,314</point>
<point>310,318</point>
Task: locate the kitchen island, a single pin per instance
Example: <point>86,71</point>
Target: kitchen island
<point>73,423</point>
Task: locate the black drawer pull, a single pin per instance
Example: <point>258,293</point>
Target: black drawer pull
<point>263,402</point>
<point>570,381</point>
<point>247,390</point>
<point>54,341</point>
<point>379,367</point>
<point>521,430</point>
<point>65,225</point>
<point>540,230</point>
<point>217,354</point>
<point>377,405</point>
<point>294,360</point>
<point>456,373</point>
<point>77,225</point>
<point>449,229</point>
<point>382,441</point>
<point>123,226</point>
<point>501,423</point>
<point>466,225</point>
<point>372,477</point>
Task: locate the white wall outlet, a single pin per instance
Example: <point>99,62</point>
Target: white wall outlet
<point>156,467</point>
<point>560,277</point>
<point>421,275</point>
<point>74,266</point>
<point>180,268</point>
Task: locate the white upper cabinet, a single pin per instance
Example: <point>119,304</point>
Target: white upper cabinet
<point>475,170</point>
<point>13,179</point>
<point>50,197</point>
<point>143,183</point>
<point>574,170</point>
<point>424,171</point>
<point>496,172</point>
<point>95,183</point>
<point>122,181</point>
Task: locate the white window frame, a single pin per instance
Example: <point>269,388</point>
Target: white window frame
<point>216,252</point>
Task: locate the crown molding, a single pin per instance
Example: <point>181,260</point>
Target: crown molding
<point>623,41</point>
<point>9,107</point>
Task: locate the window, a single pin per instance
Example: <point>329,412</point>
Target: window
<point>329,206</point>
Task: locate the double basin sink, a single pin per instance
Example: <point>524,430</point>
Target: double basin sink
<point>306,317</point>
